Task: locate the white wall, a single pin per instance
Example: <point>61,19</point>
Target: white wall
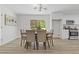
<point>8,33</point>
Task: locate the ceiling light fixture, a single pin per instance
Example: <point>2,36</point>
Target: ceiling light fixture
<point>40,7</point>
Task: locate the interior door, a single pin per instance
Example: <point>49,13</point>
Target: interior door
<point>56,26</point>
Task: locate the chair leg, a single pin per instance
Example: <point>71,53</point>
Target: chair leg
<point>48,44</point>
<point>30,44</point>
<point>34,46</point>
<point>37,45</point>
<point>26,45</point>
<point>44,43</point>
<point>52,43</point>
<point>21,43</point>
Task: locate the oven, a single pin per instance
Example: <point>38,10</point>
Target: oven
<point>73,34</point>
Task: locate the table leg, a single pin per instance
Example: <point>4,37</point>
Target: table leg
<point>37,45</point>
<point>36,41</point>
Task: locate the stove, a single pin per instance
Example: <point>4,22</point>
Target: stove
<point>73,34</point>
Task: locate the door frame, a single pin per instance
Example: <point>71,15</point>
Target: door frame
<point>60,26</point>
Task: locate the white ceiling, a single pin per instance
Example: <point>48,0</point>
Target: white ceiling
<point>52,8</point>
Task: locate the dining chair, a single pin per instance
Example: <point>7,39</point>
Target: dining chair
<point>41,37</point>
<point>50,38</point>
<point>23,37</point>
<point>30,38</point>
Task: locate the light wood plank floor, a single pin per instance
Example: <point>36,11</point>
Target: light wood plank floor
<point>60,47</point>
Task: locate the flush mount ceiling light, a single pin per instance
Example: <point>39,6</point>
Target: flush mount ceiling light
<point>40,7</point>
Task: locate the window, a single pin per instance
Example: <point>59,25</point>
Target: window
<point>37,24</point>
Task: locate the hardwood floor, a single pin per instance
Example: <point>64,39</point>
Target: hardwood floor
<point>60,47</point>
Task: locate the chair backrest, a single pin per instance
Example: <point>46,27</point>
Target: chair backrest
<point>50,35</point>
<point>41,35</point>
<point>23,35</point>
<point>22,31</point>
<point>30,35</point>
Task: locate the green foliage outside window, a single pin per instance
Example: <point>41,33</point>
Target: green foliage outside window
<point>38,24</point>
<point>42,24</point>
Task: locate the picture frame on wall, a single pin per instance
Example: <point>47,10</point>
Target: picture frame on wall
<point>9,20</point>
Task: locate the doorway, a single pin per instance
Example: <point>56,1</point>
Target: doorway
<point>56,26</point>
